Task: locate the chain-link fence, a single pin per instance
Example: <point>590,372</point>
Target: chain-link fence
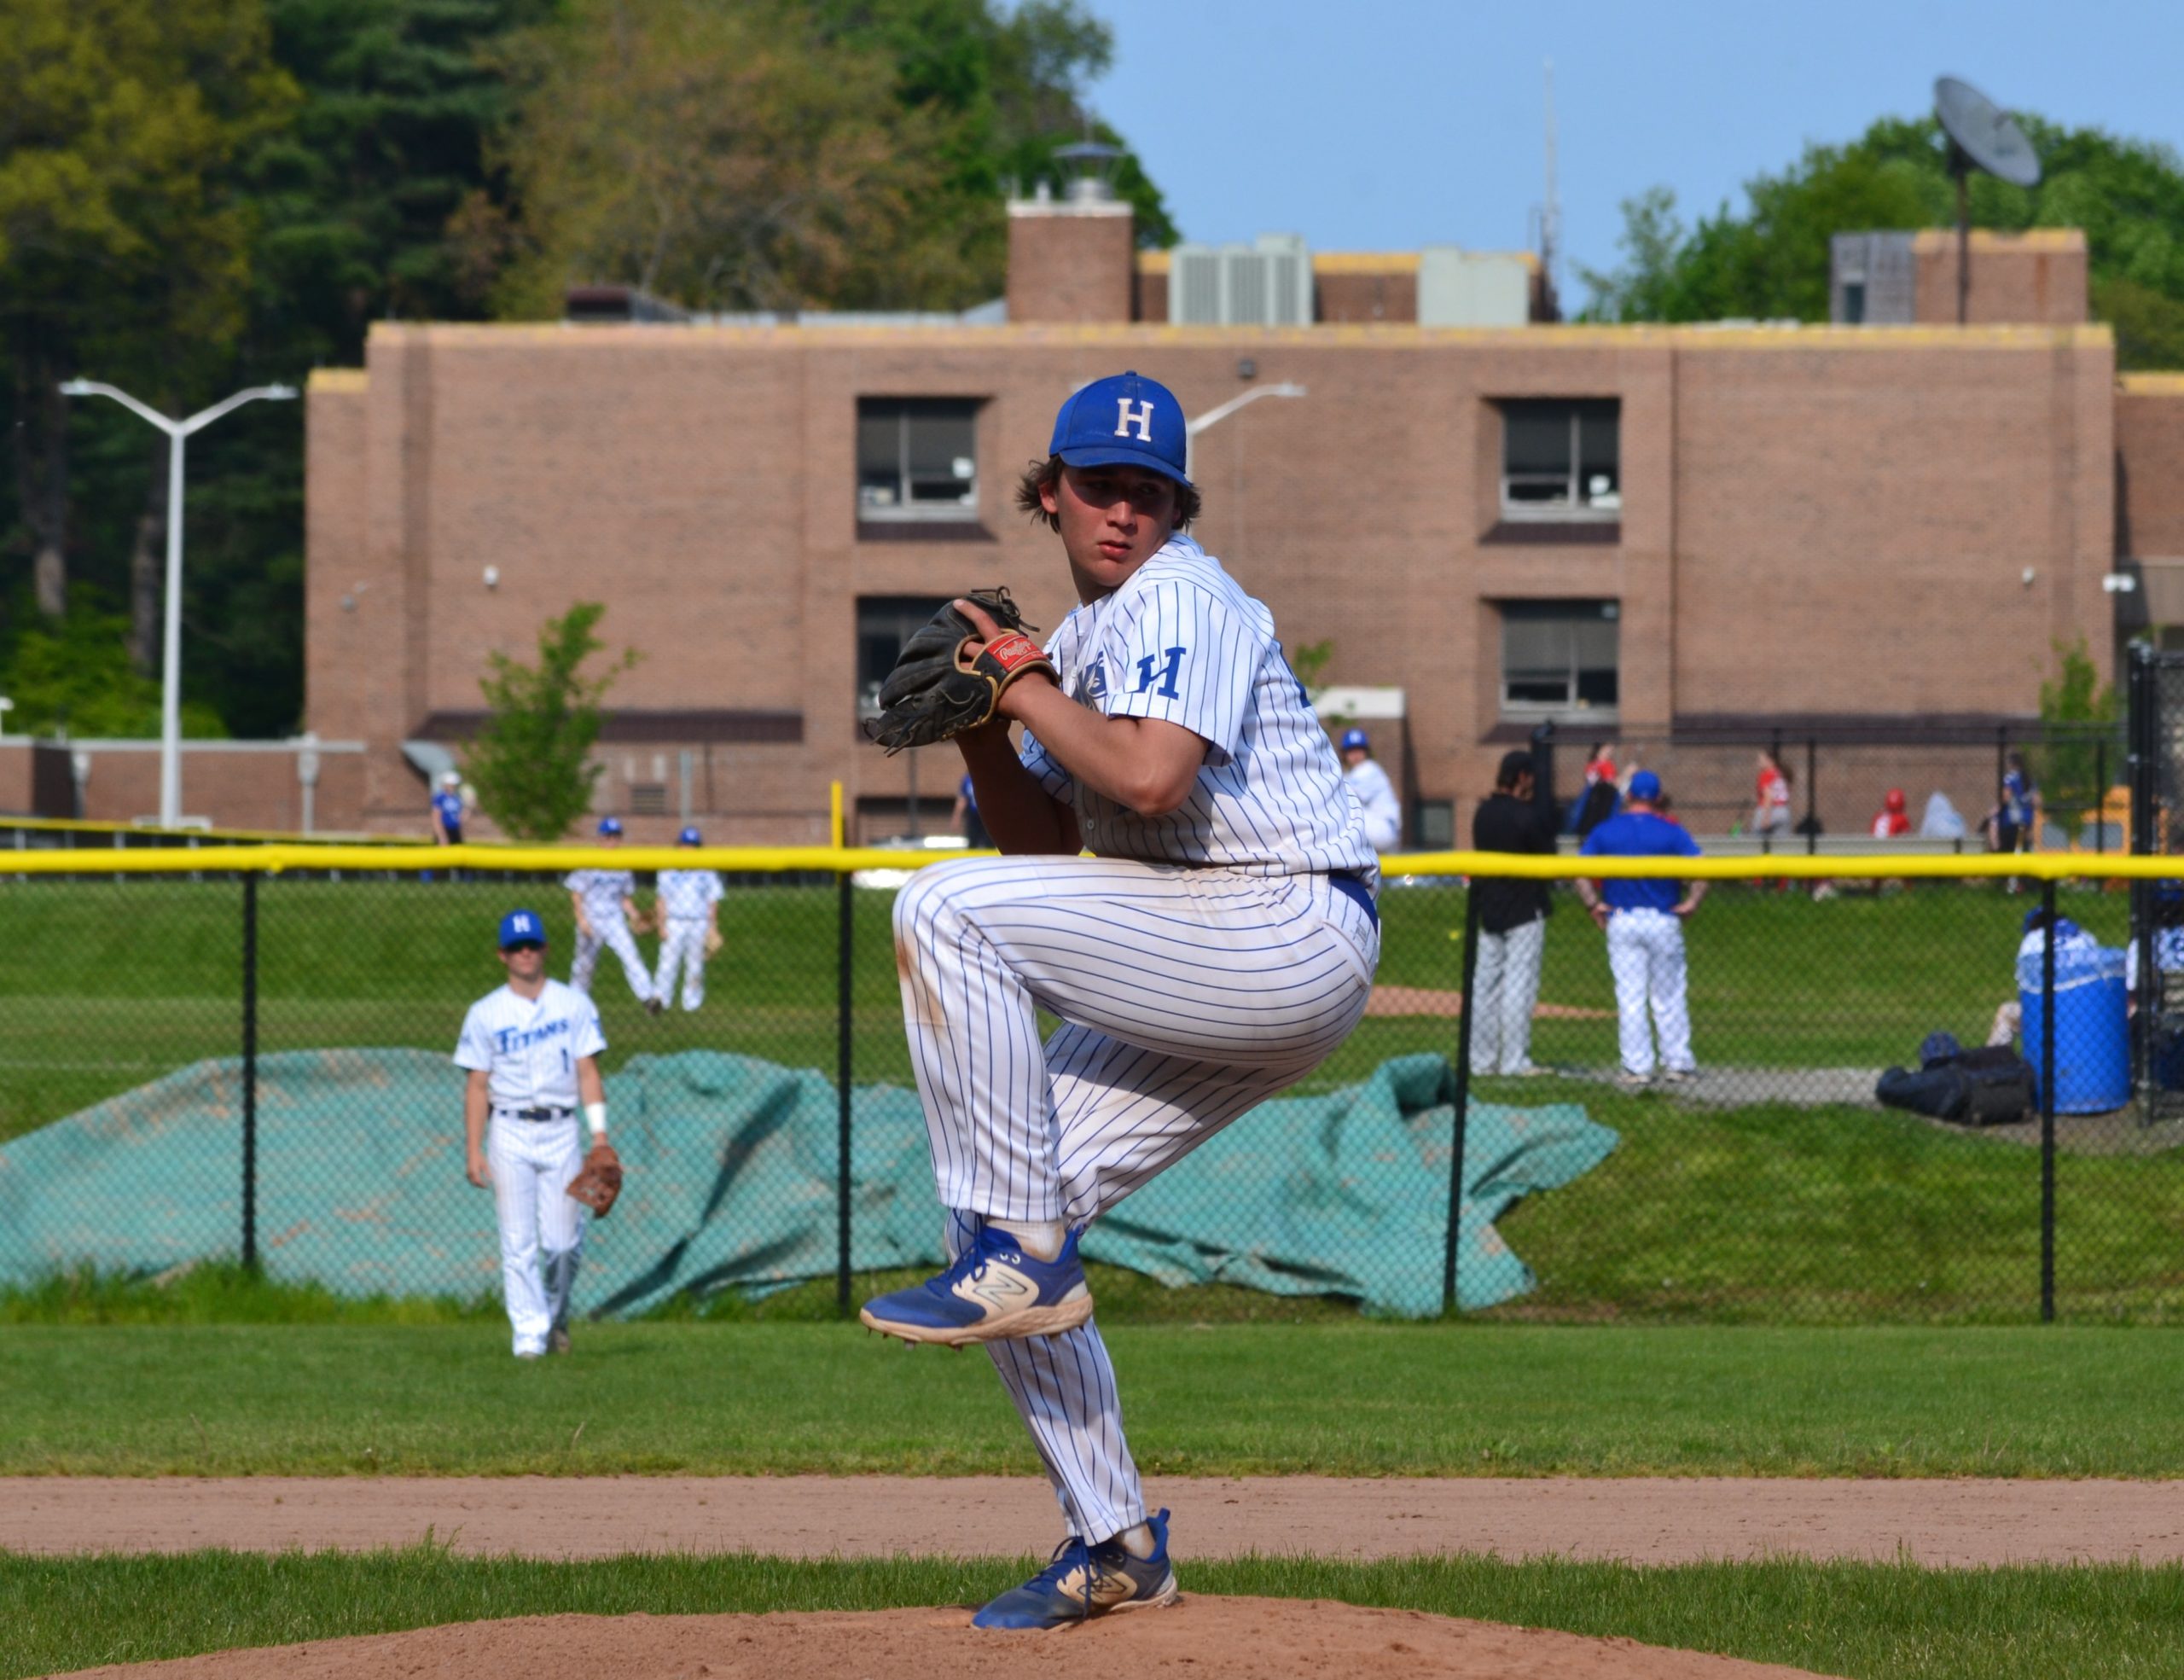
<point>251,1060</point>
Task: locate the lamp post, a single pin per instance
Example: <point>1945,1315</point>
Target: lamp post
<point>1214,416</point>
<point>171,640</point>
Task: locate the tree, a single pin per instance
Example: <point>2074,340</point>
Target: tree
<point>122,241</point>
<point>73,676</point>
<point>2077,709</point>
<point>360,191</point>
<point>771,156</point>
<point>1770,258</point>
<point>531,758</point>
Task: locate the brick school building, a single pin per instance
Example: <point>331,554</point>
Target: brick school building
<point>1633,532</point>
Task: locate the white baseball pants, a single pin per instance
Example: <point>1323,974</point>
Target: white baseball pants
<point>541,1230</point>
<point>1186,996</point>
<point>1645,955</point>
<point>1506,982</point>
<point>683,946</point>
<point>614,934</point>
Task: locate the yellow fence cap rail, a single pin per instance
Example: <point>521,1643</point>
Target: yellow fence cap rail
<point>272,859</point>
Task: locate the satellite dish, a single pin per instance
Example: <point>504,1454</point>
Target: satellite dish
<point>1981,136</point>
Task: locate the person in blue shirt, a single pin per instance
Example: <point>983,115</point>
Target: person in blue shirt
<point>447,810</point>
<point>2014,824</point>
<point>1644,923</point>
<point>967,818</point>
<point>447,813</point>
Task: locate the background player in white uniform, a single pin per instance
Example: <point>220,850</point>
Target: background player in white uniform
<point>531,1051</point>
<point>1383,811</point>
<point>1217,946</point>
<point>606,904</point>
<point>689,909</point>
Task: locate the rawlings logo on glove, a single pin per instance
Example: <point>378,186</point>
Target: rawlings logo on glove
<point>936,693</point>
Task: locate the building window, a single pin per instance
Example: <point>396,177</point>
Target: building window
<point>916,458</point>
<point>1561,460</point>
<point>884,623</point>
<point>1558,659</point>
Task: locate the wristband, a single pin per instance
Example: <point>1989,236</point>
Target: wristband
<point>595,1116</point>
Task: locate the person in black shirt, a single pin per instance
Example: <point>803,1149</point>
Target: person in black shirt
<point>1512,924</point>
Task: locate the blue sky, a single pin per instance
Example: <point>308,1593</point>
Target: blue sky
<point>1387,124</point>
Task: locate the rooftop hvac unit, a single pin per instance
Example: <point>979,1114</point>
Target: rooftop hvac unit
<point>1268,283</point>
<point>1473,288</point>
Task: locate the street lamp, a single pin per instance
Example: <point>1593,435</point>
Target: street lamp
<point>1214,416</point>
<point>170,641</point>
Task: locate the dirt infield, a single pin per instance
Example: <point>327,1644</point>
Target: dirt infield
<point>1206,1638</point>
<point>1421,1000</point>
<point>1942,1523</point>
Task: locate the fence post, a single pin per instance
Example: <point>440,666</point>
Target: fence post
<point>250,1072</point>
<point>2100,797</point>
<point>2048,1108</point>
<point>1463,1098</point>
<point>1812,795</point>
<point>843,946</point>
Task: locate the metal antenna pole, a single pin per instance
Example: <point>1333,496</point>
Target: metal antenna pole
<point>1550,215</point>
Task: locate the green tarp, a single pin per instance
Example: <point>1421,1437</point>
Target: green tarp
<point>733,1176</point>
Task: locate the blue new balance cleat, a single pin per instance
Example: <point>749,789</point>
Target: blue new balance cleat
<point>995,1292</point>
<point>1086,1581</point>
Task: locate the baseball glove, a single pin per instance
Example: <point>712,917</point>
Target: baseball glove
<point>713,942</point>
<point>599,1181</point>
<point>934,693</point>
<point>644,920</point>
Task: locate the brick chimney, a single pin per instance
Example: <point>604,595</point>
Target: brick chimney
<point>2034,278</point>
<point>1074,258</point>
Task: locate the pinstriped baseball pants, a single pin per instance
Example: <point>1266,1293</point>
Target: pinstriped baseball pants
<point>1186,996</point>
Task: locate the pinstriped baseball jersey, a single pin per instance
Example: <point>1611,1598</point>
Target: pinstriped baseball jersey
<point>602,892</point>
<point>688,894</point>
<point>1181,641</point>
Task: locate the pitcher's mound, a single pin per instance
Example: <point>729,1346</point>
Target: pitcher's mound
<point>1203,1638</point>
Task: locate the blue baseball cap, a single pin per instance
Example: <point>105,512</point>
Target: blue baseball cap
<point>1124,420</point>
<point>522,927</point>
<point>689,837</point>
<point>610,825</point>
<point>1646,786</point>
<point>1356,738</point>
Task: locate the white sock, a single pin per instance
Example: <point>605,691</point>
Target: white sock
<point>1138,1541</point>
<point>1042,1239</point>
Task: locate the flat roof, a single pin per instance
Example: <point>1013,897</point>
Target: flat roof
<point>1382,336</point>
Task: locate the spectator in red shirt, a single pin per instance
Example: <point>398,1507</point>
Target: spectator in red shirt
<point>1770,810</point>
<point>1891,821</point>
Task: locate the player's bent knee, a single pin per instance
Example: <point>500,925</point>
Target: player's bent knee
<point>935,894</point>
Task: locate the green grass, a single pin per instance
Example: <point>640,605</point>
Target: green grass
<point>1343,1399</point>
<point>109,984</point>
<point>1778,1214</point>
<point>1892,1620</point>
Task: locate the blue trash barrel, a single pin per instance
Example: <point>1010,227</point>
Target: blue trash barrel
<point>2093,1038</point>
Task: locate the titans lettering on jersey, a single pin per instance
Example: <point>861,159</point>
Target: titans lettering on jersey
<point>529,1048</point>
<point>508,1039</point>
<point>1179,641</point>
